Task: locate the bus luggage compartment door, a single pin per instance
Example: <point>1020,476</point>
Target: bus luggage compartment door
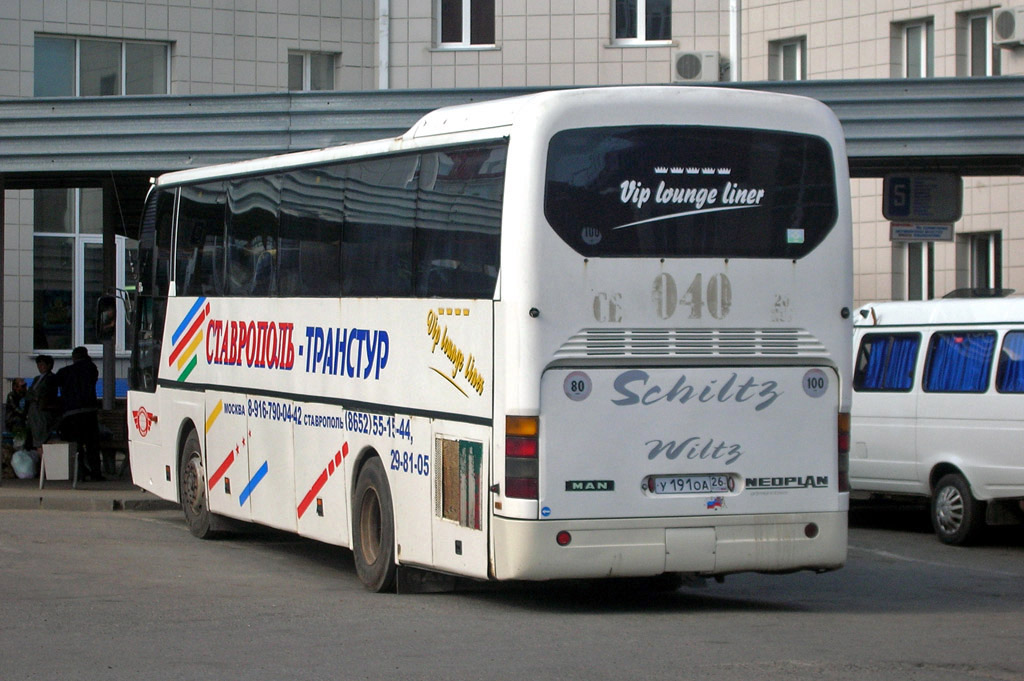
<point>648,442</point>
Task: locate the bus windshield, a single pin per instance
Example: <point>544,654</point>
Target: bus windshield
<point>690,191</point>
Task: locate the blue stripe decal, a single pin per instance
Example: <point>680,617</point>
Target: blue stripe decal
<point>188,319</point>
<point>260,474</point>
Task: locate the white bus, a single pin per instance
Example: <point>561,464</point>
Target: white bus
<point>938,409</point>
<point>581,333</point>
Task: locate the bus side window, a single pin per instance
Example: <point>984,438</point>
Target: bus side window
<point>253,222</point>
<point>886,362</point>
<point>458,223</point>
<point>380,214</point>
<point>199,252</point>
<point>959,361</point>
<point>309,255</point>
<point>1010,375</point>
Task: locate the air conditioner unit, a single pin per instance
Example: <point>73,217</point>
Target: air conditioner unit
<point>1008,24</point>
<point>692,67</point>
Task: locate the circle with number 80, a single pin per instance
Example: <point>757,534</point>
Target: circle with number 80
<point>577,386</point>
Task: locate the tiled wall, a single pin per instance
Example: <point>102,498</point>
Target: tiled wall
<point>546,42</point>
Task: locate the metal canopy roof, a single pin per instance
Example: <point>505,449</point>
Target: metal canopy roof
<point>973,126</point>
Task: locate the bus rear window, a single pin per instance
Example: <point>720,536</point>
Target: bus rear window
<point>690,191</point>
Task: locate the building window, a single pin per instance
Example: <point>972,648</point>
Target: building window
<point>68,267</point>
<point>642,20</point>
<point>786,59</point>
<point>68,223</point>
<point>916,54</point>
<point>920,270</point>
<point>465,22</point>
<point>70,67</point>
<point>976,53</point>
<point>310,71</point>
<point>984,252</point>
<point>913,270</point>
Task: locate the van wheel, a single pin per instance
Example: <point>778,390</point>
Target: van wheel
<point>373,528</point>
<point>192,488</point>
<point>956,515</point>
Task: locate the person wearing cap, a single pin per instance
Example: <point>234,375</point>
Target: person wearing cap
<point>42,412</point>
<point>77,383</point>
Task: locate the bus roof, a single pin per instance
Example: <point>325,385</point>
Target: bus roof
<point>942,312</point>
<point>493,119</point>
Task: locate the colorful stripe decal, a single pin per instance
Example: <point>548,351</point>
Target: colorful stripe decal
<point>219,473</point>
<point>187,337</point>
<point>333,465</point>
<point>214,414</point>
<point>256,479</point>
<point>188,317</point>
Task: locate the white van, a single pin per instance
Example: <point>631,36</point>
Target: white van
<point>938,408</point>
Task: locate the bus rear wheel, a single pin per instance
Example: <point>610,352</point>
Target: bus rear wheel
<point>192,488</point>
<point>373,528</point>
<point>956,515</point>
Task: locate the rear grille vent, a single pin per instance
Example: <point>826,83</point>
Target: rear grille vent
<point>695,343</point>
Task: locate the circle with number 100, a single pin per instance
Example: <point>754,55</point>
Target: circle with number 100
<point>577,386</point>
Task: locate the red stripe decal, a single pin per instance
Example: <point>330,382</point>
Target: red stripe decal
<point>222,470</point>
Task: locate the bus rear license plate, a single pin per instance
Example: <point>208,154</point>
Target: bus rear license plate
<point>691,484</point>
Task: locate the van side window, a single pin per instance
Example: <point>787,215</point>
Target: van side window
<point>886,362</point>
<point>1010,375</point>
<point>959,361</point>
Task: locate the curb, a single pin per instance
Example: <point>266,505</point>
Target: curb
<point>34,502</point>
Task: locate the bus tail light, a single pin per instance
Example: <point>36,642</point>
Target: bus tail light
<point>844,451</point>
<point>521,464</point>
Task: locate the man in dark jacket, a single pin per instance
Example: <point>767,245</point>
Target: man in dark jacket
<point>77,383</point>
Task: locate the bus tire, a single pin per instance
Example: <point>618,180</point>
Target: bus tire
<point>373,528</point>
<point>956,515</point>
<point>192,488</point>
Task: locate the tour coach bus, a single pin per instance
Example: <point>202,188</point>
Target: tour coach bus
<point>579,333</point>
<point>938,409</point>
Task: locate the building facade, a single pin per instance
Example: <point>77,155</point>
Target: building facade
<point>71,48</point>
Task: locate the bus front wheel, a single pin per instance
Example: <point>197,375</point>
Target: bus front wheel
<point>373,528</point>
<point>192,488</point>
<point>956,515</point>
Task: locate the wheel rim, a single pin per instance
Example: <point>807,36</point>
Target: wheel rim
<point>370,526</point>
<point>949,509</point>
<point>192,486</point>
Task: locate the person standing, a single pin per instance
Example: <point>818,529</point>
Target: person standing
<point>77,383</point>
<point>43,404</point>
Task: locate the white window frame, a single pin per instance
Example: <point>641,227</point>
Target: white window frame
<point>123,85</point>
<point>777,56</point>
<point>925,51</point>
<point>971,20</point>
<point>467,26</point>
<point>81,240</point>
<point>307,70</point>
<point>983,248</point>
<point>641,28</point>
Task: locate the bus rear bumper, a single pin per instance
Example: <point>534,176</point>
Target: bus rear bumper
<point>528,549</point>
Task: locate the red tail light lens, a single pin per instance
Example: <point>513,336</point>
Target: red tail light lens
<point>521,465</point>
<point>844,452</point>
